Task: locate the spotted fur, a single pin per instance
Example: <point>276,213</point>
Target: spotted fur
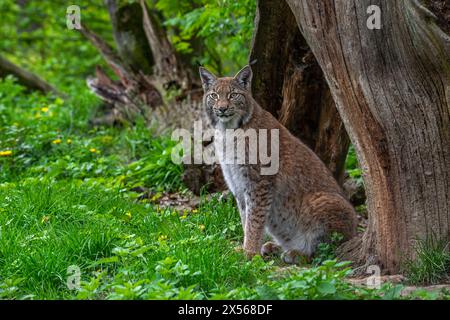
<point>299,206</point>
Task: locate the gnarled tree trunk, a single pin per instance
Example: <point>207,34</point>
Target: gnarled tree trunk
<point>133,94</point>
<point>129,36</point>
<point>289,83</point>
<point>168,66</point>
<point>392,90</point>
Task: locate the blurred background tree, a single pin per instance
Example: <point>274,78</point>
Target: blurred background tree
<point>219,30</point>
<point>34,35</point>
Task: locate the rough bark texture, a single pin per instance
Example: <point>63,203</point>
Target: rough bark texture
<point>289,83</point>
<point>168,66</point>
<point>129,35</point>
<point>391,87</point>
<point>120,68</point>
<point>24,77</point>
<point>145,63</point>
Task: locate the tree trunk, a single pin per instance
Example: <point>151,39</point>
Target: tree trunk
<point>129,36</point>
<point>168,66</point>
<point>133,94</point>
<point>391,87</point>
<point>24,77</point>
<point>288,82</point>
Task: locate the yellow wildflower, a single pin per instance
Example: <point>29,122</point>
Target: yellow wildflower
<point>185,214</point>
<point>56,141</point>
<point>93,150</point>
<point>128,214</point>
<point>45,219</point>
<point>162,237</point>
<point>194,211</point>
<point>5,153</point>
<point>44,109</point>
<point>69,141</point>
<point>106,139</point>
<point>201,227</point>
<point>156,196</point>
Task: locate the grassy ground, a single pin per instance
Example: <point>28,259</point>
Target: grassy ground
<point>67,210</point>
<point>66,203</point>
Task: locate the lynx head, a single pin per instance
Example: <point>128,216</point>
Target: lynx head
<point>228,100</point>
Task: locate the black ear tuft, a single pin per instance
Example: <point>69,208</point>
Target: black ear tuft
<point>207,78</point>
<point>244,77</point>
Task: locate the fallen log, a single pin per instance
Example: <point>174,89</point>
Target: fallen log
<point>24,77</point>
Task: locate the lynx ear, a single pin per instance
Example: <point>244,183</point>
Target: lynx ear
<point>207,78</point>
<point>244,77</point>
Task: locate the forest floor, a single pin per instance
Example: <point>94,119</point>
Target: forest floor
<point>101,213</point>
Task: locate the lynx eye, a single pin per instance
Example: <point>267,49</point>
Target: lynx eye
<point>214,96</point>
<point>234,95</point>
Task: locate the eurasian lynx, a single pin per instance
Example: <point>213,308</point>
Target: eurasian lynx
<point>300,205</point>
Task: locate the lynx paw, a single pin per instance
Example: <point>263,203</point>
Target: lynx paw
<point>270,248</point>
<point>294,257</point>
<point>250,251</point>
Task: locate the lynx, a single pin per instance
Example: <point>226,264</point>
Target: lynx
<point>299,206</point>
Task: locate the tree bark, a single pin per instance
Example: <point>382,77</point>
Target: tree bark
<point>24,77</point>
<point>133,94</point>
<point>288,82</point>
<point>168,66</point>
<point>391,87</point>
<point>129,36</point>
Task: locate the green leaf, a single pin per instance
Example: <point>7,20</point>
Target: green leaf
<point>112,259</point>
<point>267,293</point>
<point>393,293</point>
<point>326,288</point>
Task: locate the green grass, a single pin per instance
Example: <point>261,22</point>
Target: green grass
<point>47,226</point>
<point>432,263</point>
<point>132,250</point>
<point>128,250</point>
<point>66,202</point>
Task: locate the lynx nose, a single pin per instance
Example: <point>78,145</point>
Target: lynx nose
<point>222,109</point>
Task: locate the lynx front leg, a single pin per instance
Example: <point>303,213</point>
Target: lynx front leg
<point>254,231</point>
<point>257,210</point>
<point>242,211</point>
